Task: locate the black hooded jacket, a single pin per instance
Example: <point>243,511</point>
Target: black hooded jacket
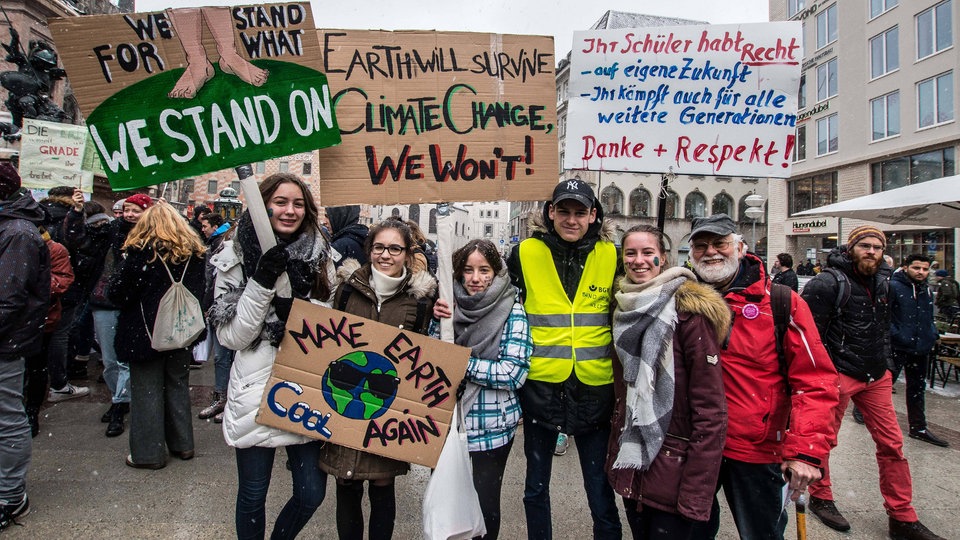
<point>24,275</point>
<point>857,335</point>
<point>348,234</point>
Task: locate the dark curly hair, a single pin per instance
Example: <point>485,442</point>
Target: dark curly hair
<point>485,247</point>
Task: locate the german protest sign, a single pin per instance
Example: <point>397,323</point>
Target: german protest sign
<point>363,384</point>
<point>52,154</point>
<point>712,100</point>
<point>439,117</point>
<point>185,91</point>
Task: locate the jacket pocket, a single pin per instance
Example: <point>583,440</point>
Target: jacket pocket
<point>775,419</point>
<point>661,482</point>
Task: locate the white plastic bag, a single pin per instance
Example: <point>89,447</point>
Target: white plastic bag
<point>451,508</point>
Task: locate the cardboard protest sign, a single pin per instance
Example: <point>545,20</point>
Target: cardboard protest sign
<point>186,91</point>
<point>362,384</point>
<point>52,154</point>
<point>439,117</point>
<point>712,100</point>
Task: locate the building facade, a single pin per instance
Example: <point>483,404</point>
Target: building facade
<point>877,111</point>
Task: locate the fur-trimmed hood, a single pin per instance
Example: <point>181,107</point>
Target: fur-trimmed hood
<point>540,222</point>
<point>693,297</point>
<point>418,284</point>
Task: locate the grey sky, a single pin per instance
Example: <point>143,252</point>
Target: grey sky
<point>559,18</point>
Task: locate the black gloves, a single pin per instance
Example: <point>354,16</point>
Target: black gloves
<point>270,266</point>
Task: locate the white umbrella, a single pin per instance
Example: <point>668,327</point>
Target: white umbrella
<point>935,203</point>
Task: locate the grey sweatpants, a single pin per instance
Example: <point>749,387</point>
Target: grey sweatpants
<point>15,441</point>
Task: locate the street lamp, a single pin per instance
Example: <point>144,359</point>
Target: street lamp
<point>665,179</point>
<point>228,204</point>
<point>754,212</point>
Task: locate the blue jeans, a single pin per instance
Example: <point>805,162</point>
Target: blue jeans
<point>538,445</point>
<point>222,361</point>
<point>754,492</point>
<point>115,372</point>
<point>14,432</point>
<point>254,467</point>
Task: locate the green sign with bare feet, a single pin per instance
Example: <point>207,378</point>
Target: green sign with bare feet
<point>186,91</point>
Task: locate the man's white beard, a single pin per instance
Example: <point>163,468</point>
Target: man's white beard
<point>714,273</point>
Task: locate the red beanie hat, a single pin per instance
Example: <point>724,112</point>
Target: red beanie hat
<point>9,180</point>
<point>139,199</point>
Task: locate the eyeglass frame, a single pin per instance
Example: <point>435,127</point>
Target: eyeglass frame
<point>378,249</point>
<point>724,244</point>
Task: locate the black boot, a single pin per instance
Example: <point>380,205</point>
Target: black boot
<point>105,418</point>
<point>33,417</point>
<point>115,427</point>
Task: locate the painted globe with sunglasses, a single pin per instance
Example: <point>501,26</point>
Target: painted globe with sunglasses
<point>360,385</point>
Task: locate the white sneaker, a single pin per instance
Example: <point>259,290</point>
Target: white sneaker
<point>67,392</point>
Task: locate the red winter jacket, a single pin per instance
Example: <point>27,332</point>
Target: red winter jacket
<point>758,406</point>
<point>61,277</point>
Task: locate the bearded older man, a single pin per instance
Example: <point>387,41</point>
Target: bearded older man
<point>855,325</point>
<point>761,454</point>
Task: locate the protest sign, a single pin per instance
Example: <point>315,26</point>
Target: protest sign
<point>186,91</point>
<point>363,384</point>
<point>711,100</point>
<point>439,117</point>
<point>52,154</point>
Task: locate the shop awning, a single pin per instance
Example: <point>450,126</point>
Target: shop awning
<point>935,203</point>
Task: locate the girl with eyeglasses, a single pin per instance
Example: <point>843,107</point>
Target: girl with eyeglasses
<point>249,314</point>
<point>385,289</point>
<point>488,318</point>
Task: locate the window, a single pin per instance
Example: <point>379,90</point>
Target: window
<point>673,204</point>
<point>211,187</point>
<point>794,7</point>
<point>432,224</point>
<point>395,213</point>
<point>235,185</point>
<point>813,192</point>
<point>800,145</point>
<point>934,29</point>
<point>413,213</point>
<point>611,199</point>
<point>307,169</point>
<point>885,116</point>
<point>827,79</point>
<point>935,100</point>
<point>884,53</point>
<point>488,230</point>
<point>284,166</point>
<point>261,167</point>
<point>827,137</point>
<point>907,170</point>
<point>722,204</point>
<point>802,93</point>
<point>879,6</point>
<point>695,206</point>
<point>561,161</point>
<point>188,185</point>
<point>827,26</point>
<point>640,202</point>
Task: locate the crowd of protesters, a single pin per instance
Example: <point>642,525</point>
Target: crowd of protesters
<point>652,369</point>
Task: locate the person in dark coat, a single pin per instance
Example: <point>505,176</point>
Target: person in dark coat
<point>663,496</point>
<point>786,275</point>
<point>912,337</point>
<point>348,234</point>
<point>160,245</point>
<point>24,299</point>
<point>87,267</point>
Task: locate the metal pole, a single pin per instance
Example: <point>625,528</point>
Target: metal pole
<point>662,202</point>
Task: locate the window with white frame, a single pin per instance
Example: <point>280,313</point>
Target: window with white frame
<point>880,6</point>
<point>884,53</point>
<point>827,79</point>
<point>827,26</point>
<point>794,7</point>
<point>802,93</point>
<point>934,29</point>
<point>885,116</point>
<point>935,100</point>
<point>800,145</point>
<point>827,135</point>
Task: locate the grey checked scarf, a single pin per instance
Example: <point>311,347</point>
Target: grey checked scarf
<point>643,326</point>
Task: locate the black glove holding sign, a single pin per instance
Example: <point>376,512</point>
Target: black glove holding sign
<point>270,266</point>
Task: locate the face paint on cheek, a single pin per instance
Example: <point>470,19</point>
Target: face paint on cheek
<point>656,261</point>
<point>269,212</point>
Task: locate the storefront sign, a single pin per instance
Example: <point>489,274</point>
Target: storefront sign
<point>812,226</point>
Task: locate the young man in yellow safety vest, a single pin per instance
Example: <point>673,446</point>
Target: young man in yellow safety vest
<point>565,274</point>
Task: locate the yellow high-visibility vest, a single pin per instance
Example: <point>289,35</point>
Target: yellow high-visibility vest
<point>569,335</point>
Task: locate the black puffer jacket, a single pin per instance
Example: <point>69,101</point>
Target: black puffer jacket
<point>912,329</point>
<point>88,260</point>
<point>348,234</point>
<point>858,339</point>
<point>571,406</point>
<point>24,277</point>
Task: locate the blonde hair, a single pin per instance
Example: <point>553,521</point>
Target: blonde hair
<point>164,230</point>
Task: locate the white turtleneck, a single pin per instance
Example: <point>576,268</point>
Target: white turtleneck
<point>385,286</point>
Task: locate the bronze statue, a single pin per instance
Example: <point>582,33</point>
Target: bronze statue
<point>29,87</point>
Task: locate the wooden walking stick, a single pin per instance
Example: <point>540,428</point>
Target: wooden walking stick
<point>802,517</point>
